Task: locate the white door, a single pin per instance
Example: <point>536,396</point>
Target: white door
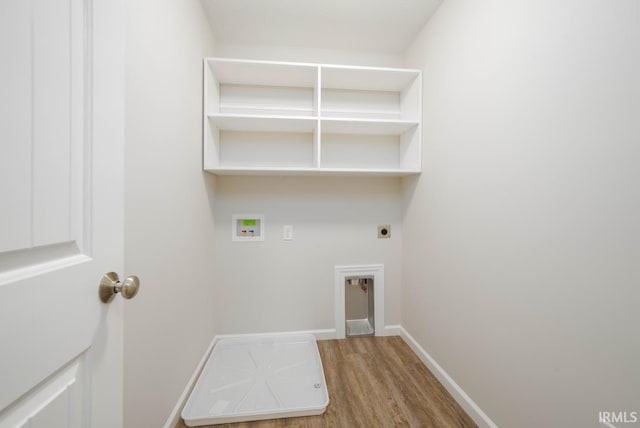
<point>61,212</point>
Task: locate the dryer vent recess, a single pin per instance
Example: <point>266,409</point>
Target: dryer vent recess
<point>384,231</point>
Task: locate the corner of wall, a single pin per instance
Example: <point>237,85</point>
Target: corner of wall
<point>169,206</point>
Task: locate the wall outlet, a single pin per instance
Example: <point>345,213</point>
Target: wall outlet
<point>287,232</point>
<point>384,231</point>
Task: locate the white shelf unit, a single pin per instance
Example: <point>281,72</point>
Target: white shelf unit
<point>264,117</point>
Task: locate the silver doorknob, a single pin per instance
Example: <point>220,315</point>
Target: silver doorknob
<point>110,285</point>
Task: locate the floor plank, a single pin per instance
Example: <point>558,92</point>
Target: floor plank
<point>375,382</point>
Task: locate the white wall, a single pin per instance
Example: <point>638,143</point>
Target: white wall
<point>521,275</point>
<point>289,285</point>
<point>169,214</point>
<point>279,285</point>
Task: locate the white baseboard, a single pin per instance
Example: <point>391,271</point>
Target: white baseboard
<point>458,394</point>
<point>174,417</point>
<point>326,334</point>
<point>392,330</point>
<point>472,409</point>
<point>320,334</point>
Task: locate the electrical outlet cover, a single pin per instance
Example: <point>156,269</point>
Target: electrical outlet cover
<point>287,232</point>
<point>384,231</point>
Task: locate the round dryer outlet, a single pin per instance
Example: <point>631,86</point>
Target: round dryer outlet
<point>384,231</point>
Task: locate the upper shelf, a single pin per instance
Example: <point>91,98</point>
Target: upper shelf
<point>367,78</point>
<point>298,74</point>
<point>263,73</point>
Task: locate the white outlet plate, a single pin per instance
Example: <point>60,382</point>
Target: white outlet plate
<point>287,232</point>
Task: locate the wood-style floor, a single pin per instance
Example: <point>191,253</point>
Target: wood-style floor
<point>376,382</point>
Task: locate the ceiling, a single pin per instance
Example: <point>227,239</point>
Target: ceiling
<point>384,26</point>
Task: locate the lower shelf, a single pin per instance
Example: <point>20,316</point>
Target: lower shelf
<point>309,171</point>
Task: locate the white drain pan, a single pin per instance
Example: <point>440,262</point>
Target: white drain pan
<point>259,377</point>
